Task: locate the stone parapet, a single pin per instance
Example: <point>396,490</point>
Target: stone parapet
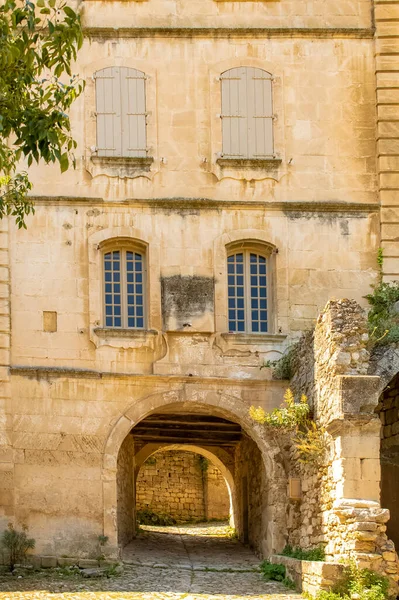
<point>310,576</point>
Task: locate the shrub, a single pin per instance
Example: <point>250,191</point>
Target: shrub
<point>311,443</point>
<point>147,516</point>
<point>277,572</point>
<point>16,543</point>
<point>309,438</point>
<point>359,584</point>
<point>272,572</point>
<point>290,416</point>
<point>312,554</point>
<point>283,368</point>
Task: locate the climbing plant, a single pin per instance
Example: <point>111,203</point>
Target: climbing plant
<point>383,317</point>
<point>294,417</point>
<point>283,368</point>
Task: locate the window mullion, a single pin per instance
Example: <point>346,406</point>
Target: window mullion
<point>123,289</point>
<point>145,323</point>
<point>247,291</point>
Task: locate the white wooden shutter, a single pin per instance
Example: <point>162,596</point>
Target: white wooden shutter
<point>247,113</point>
<point>133,113</point>
<point>108,109</point>
<point>121,115</point>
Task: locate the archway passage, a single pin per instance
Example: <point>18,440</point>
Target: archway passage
<point>198,429</point>
<point>388,409</point>
<point>174,486</point>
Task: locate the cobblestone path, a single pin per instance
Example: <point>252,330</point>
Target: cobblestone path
<point>174,563</point>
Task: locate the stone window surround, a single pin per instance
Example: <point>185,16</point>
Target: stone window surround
<point>247,169</point>
<point>249,238</point>
<point>120,244</point>
<point>132,237</point>
<point>101,335</point>
<point>120,166</point>
<point>246,247</point>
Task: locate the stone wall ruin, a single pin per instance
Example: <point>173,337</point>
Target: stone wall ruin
<point>340,505</point>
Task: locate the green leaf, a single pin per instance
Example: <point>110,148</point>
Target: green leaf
<point>69,12</point>
<point>34,104</point>
<point>64,162</point>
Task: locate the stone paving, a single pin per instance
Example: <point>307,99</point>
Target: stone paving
<point>168,563</point>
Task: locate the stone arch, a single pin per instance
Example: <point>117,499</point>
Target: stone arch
<point>227,472</point>
<point>384,362</point>
<point>221,404</point>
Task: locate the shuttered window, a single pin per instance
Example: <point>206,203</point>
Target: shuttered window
<point>247,292</point>
<point>124,289</point>
<point>121,113</point>
<point>247,113</point>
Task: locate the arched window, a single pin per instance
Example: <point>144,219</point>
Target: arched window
<point>121,112</point>
<point>248,291</point>
<point>124,270</point>
<point>247,113</point>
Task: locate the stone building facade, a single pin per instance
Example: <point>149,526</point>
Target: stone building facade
<point>96,378</point>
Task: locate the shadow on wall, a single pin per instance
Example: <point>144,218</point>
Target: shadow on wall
<point>388,410</point>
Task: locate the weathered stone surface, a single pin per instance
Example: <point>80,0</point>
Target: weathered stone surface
<point>48,562</point>
<point>95,572</point>
<point>87,563</point>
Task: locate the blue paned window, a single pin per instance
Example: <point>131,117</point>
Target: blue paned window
<point>124,289</point>
<point>247,292</point>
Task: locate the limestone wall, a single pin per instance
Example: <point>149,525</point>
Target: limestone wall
<point>125,489</point>
<point>212,13</point>
<point>340,505</point>
<point>182,486</point>
<point>328,154</point>
<point>387,83</point>
<point>251,486</point>
<point>7,481</point>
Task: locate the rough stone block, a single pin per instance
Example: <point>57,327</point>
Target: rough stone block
<point>49,562</point>
<point>359,394</point>
<point>67,561</point>
<point>87,563</point>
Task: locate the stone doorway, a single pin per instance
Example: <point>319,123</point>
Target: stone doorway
<point>222,438</point>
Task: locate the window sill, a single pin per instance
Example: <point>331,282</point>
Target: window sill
<point>114,332</point>
<point>264,164</point>
<point>253,338</point>
<point>134,162</point>
<point>128,339</point>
